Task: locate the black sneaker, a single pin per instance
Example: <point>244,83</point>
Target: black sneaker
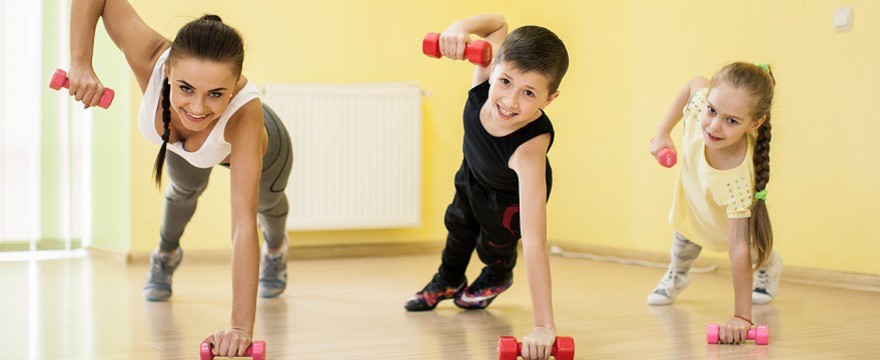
<point>436,290</point>
<point>487,286</point>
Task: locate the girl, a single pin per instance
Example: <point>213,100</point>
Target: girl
<point>197,104</point>
<point>720,198</point>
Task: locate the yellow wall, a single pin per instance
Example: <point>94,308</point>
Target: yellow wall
<point>628,61</point>
<point>323,41</point>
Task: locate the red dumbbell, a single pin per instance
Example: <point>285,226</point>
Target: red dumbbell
<point>667,157</point>
<point>478,52</point>
<point>59,80</point>
<point>256,351</point>
<point>761,334</point>
<point>510,349</point>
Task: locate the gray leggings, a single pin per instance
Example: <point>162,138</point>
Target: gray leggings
<point>683,253</point>
<point>188,182</point>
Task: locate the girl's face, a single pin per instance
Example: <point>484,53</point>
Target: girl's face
<point>727,118</point>
<point>200,90</point>
<point>517,96</point>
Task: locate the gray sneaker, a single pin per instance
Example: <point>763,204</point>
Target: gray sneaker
<point>273,273</point>
<point>162,266</point>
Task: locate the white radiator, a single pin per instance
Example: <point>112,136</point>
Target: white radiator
<point>357,154</point>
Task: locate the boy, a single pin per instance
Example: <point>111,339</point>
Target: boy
<point>505,173</point>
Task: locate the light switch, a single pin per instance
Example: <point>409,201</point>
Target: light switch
<point>842,18</point>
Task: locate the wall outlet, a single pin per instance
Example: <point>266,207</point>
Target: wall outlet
<point>842,18</point>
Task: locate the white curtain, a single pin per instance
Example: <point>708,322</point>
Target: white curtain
<point>23,165</point>
<point>20,40</point>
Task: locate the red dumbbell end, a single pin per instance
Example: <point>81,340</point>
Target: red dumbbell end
<point>106,98</point>
<point>59,80</point>
<point>762,334</point>
<point>431,45</point>
<point>667,157</point>
<point>479,53</point>
<point>205,351</point>
<point>712,334</point>
<point>564,348</point>
<point>508,348</point>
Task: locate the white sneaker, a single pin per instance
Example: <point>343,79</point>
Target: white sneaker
<point>669,287</point>
<point>766,282</point>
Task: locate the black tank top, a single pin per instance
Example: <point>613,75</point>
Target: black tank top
<point>487,156</point>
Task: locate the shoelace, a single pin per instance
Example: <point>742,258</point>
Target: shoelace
<point>668,279</point>
<point>763,279</point>
<point>491,278</point>
<point>433,286</point>
<point>156,270</point>
<point>275,262</point>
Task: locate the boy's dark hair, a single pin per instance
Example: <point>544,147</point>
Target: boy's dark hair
<point>534,48</point>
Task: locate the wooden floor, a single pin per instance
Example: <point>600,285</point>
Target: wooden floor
<point>89,308</point>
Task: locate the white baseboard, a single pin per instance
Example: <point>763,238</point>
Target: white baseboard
<point>836,279</point>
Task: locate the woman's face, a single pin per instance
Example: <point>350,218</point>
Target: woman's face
<point>200,90</point>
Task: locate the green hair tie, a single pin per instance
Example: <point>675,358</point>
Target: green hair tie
<point>764,66</point>
<point>761,195</point>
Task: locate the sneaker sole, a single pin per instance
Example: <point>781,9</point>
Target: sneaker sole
<point>474,306</point>
<point>478,304</point>
<point>659,300</point>
<point>458,291</point>
<point>761,299</point>
<point>156,298</point>
<point>269,293</point>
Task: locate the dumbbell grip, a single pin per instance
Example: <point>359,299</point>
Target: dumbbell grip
<point>519,349</point>
<point>206,354</point>
<point>713,334</point>
<point>751,335</point>
<point>60,79</point>
<point>478,52</point>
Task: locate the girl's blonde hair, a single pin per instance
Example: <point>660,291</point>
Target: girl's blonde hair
<point>758,81</point>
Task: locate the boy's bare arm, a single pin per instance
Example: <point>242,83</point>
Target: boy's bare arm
<point>529,162</point>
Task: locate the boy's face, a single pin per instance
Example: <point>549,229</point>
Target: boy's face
<point>517,96</point>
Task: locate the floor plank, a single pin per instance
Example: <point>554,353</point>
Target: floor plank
<point>87,308</point>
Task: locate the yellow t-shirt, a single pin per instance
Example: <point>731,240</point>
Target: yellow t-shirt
<point>705,198</point>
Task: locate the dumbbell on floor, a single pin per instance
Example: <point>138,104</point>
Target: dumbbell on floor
<point>510,349</point>
<point>761,334</point>
<point>256,351</point>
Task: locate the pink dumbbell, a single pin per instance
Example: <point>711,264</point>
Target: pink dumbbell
<point>510,349</point>
<point>256,351</point>
<point>667,157</point>
<point>478,52</point>
<point>59,80</point>
<point>761,334</point>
